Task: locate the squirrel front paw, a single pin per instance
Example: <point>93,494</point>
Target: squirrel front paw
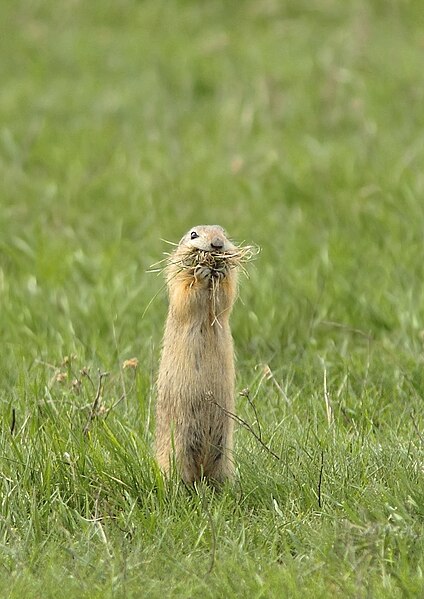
<point>219,275</point>
<point>202,273</point>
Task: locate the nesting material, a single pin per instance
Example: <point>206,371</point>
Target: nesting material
<point>186,260</point>
<point>218,262</point>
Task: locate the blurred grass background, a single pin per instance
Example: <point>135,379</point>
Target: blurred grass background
<point>295,125</point>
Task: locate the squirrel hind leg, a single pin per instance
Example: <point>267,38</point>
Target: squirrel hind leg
<point>221,470</point>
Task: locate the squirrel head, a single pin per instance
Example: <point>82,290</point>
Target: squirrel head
<point>207,238</point>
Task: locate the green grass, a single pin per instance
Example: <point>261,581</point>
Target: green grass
<point>296,125</point>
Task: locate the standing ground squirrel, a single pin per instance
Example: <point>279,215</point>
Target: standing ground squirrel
<point>194,427</point>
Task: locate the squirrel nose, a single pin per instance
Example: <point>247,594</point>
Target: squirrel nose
<point>217,243</point>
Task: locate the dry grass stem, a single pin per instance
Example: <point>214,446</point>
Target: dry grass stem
<point>96,402</point>
<point>216,261</point>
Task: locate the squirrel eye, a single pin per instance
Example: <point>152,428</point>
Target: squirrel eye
<point>194,235</point>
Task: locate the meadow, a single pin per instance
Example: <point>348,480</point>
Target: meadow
<point>297,125</point>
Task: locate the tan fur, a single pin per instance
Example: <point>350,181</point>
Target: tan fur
<point>196,373</point>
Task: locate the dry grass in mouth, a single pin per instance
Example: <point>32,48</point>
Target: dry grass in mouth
<point>187,259</point>
<point>218,262</point>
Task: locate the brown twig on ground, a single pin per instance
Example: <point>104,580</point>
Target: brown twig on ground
<point>321,470</point>
<point>13,423</point>
<point>246,393</point>
<point>85,372</point>
<point>95,405</point>
<point>248,427</point>
<point>124,394</point>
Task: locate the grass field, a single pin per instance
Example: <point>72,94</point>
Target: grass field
<point>297,125</point>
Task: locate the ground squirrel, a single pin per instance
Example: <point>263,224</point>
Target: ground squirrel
<point>194,427</point>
